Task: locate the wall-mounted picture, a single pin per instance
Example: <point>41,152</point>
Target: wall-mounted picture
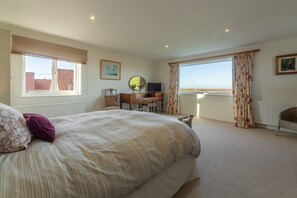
<point>110,70</point>
<point>286,64</point>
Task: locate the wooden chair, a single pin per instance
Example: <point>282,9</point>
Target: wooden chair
<point>187,119</point>
<point>111,99</point>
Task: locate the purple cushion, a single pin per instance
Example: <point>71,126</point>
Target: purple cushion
<point>40,127</point>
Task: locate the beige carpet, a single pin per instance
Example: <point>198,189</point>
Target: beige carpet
<point>247,163</point>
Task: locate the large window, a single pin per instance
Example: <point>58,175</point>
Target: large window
<point>207,77</point>
<point>50,77</point>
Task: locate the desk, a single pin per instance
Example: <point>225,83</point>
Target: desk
<point>140,98</point>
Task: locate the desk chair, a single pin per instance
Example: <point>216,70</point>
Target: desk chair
<point>144,109</point>
<point>150,105</point>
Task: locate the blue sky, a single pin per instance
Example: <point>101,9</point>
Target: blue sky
<point>208,75</point>
<point>42,67</point>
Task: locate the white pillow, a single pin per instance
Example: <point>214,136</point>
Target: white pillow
<point>14,134</point>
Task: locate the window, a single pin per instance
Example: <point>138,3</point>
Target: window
<point>45,76</point>
<point>207,77</point>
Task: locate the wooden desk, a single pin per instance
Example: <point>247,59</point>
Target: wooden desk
<point>139,98</point>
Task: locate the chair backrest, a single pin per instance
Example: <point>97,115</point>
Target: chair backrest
<point>289,114</point>
<point>111,97</point>
<point>110,92</point>
<point>187,119</point>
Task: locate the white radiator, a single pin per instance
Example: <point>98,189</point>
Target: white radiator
<point>267,112</point>
<point>53,110</point>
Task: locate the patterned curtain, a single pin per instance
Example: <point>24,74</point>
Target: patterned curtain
<point>242,90</point>
<point>172,105</point>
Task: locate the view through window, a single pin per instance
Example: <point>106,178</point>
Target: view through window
<point>207,77</point>
<point>50,76</point>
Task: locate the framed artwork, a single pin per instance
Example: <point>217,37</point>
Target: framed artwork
<point>110,70</point>
<point>286,64</point>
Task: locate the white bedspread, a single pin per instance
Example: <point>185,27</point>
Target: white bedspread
<point>97,154</point>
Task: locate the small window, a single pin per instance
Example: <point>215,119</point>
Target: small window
<point>45,76</point>
<point>207,77</point>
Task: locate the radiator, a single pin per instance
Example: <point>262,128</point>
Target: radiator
<point>53,110</point>
<point>267,112</point>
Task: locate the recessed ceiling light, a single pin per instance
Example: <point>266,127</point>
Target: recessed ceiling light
<point>227,30</point>
<point>92,17</point>
<point>167,46</point>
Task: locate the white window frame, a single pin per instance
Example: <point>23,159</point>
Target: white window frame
<point>54,85</point>
<point>216,93</point>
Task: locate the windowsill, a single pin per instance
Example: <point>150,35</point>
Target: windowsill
<point>42,96</point>
<point>206,94</point>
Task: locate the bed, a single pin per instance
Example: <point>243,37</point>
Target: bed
<point>115,153</point>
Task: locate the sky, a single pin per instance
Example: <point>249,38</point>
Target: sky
<point>208,75</point>
<point>42,67</point>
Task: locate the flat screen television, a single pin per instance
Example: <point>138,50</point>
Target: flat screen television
<point>154,87</point>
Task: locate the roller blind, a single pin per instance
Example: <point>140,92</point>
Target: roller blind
<point>23,45</point>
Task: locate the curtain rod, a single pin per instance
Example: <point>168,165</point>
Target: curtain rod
<point>217,56</point>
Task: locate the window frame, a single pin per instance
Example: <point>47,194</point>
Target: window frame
<point>54,85</point>
<point>215,93</point>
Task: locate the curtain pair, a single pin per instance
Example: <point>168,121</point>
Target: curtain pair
<point>243,64</point>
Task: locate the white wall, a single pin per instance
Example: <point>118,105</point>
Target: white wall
<point>266,85</point>
<point>92,84</point>
<point>4,66</point>
<point>215,107</point>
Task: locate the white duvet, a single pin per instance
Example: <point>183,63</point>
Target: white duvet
<point>97,154</point>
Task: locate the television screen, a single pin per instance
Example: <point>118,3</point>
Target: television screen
<point>154,87</point>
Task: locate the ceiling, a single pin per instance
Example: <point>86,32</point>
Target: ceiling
<point>142,28</point>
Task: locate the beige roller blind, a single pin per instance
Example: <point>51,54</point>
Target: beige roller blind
<point>23,45</point>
